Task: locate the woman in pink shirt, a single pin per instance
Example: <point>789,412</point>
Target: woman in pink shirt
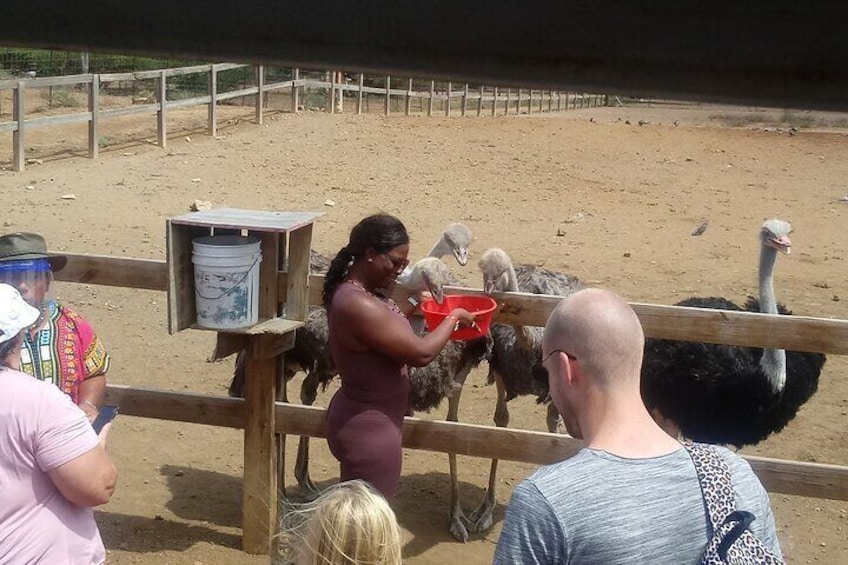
<point>53,467</point>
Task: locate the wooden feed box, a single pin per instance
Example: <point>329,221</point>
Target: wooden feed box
<point>285,241</point>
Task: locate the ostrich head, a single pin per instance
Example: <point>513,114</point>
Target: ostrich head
<point>775,234</point>
<point>458,238</point>
<point>429,274</point>
<point>497,271</point>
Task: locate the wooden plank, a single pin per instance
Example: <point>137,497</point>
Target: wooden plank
<point>448,94</point>
<point>259,220</point>
<point>432,98</point>
<point>227,344</point>
<point>8,126</point>
<point>259,507</point>
<point>359,93</point>
<point>43,82</point>
<point>129,110</point>
<point>388,93</point>
<point>184,102</point>
<point>260,92</point>
<point>788,477</point>
<point>76,118</point>
<point>464,100</point>
<point>271,346</point>
<point>249,91</point>
<point>273,326</point>
<point>408,99</point>
<point>508,101</point>
<point>146,274</point>
<point>279,85</point>
<point>297,283</point>
<point>161,122</point>
<point>494,101</point>
<point>480,101</point>
<point>18,114</point>
<point>212,109</point>
<point>332,93</point>
<point>182,308</point>
<point>94,123</point>
<point>295,92</point>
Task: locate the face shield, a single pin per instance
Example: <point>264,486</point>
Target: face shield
<point>30,276</point>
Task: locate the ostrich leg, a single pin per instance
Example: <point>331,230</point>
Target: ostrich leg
<point>481,518</point>
<point>308,394</point>
<point>458,522</point>
<point>552,418</point>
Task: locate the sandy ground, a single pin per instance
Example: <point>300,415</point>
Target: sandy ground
<point>624,198</point>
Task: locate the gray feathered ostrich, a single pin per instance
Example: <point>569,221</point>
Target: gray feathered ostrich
<point>727,394</point>
<point>516,350</point>
<point>311,352</point>
<point>443,378</point>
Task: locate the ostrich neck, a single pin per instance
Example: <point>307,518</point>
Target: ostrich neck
<point>773,361</point>
<point>440,249</point>
<point>523,335</point>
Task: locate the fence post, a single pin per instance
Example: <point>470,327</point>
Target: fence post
<point>359,94</point>
<point>409,98</point>
<point>18,113</point>
<point>506,109</point>
<point>332,93</point>
<point>260,92</point>
<point>559,101</point>
<point>480,101</point>
<point>448,99</point>
<point>388,95</point>
<point>213,102</point>
<point>295,93</point>
<point>160,115</point>
<point>550,101</point>
<point>494,101</point>
<point>541,101</point>
<point>94,122</point>
<point>530,103</point>
<point>464,99</point>
<point>432,95</point>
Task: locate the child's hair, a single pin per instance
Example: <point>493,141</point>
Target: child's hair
<point>348,524</point>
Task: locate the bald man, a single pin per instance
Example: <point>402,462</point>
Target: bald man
<point>632,494</point>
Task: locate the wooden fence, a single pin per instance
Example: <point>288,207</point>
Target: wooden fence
<point>504,101</point>
<point>670,322</point>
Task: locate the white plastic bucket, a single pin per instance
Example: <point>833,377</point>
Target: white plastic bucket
<point>226,280</point>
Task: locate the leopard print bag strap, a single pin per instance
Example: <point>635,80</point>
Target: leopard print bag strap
<point>731,542</point>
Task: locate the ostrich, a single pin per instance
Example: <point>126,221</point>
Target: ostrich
<point>729,394</point>
<point>515,351</point>
<point>311,353</point>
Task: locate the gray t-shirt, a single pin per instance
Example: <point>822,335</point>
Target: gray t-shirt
<point>598,508</point>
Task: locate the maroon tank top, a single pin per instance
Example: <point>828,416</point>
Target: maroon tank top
<point>368,377</point>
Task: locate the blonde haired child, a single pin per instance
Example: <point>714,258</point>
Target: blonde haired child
<point>348,524</point>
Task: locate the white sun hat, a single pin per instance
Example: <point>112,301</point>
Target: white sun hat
<point>15,313</point>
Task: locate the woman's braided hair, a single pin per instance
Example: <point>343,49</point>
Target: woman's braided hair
<point>380,232</point>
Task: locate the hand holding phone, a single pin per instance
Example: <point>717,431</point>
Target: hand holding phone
<point>106,415</point>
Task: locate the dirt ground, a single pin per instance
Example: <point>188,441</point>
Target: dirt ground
<point>584,192</point>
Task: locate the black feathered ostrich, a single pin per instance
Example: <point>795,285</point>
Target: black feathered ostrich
<point>726,394</point>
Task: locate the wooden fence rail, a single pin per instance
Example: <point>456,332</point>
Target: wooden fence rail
<point>787,477</point>
<point>798,333</point>
<point>20,123</point>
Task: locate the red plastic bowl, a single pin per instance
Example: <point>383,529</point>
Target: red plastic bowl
<point>481,306</point>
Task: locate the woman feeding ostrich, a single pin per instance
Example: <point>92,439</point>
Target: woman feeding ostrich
<point>372,345</point>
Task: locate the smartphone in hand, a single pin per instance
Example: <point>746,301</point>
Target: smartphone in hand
<point>106,415</point>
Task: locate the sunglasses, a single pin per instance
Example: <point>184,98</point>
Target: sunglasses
<point>398,263</point>
<point>539,373</point>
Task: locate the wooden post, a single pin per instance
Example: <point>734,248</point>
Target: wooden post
<point>213,102</point>
<point>518,102</point>
<point>260,92</point>
<point>94,122</point>
<point>409,98</point>
<point>494,101</point>
<point>359,94</point>
<point>541,101</point>
<point>295,92</point>
<point>259,509</point>
<point>559,101</point>
<point>388,95</point>
<point>480,101</point>
<point>331,103</point>
<point>464,99</point>
<point>530,103</point>
<point>18,114</point>
<point>161,126</point>
<point>448,99</point>
<point>506,109</point>
<point>432,95</point>
<point>550,101</point>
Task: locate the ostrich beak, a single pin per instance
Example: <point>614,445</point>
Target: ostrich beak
<point>461,254</point>
<point>782,244</point>
<point>434,289</point>
<point>489,286</point>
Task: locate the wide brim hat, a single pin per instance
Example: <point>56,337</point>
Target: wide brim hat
<point>24,245</point>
